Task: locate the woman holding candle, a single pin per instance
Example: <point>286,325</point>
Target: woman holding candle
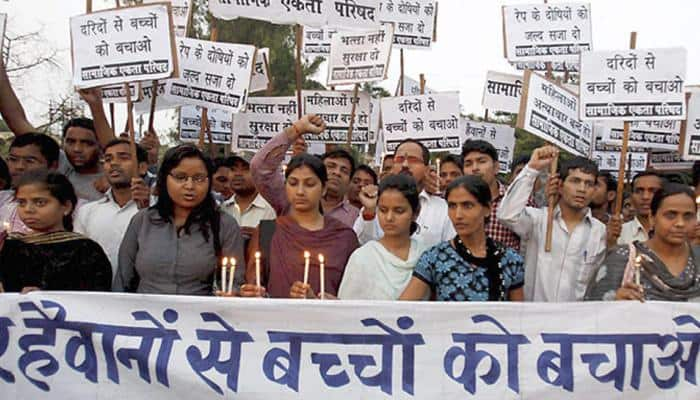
<point>177,246</point>
<point>380,270</point>
<point>666,267</point>
<point>472,266</point>
<point>303,231</point>
<point>52,257</point>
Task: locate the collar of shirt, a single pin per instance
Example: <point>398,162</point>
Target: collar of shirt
<point>258,202</point>
<point>587,218</point>
<point>637,226</point>
<point>109,198</point>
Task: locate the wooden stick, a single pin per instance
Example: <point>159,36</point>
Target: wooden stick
<point>88,6</point>
<point>111,118</point>
<point>353,111</point>
<point>130,129</point>
<point>422,84</point>
<point>401,77</point>
<point>203,127</point>
<point>550,209</point>
<point>299,39</point>
<point>623,152</point>
<point>268,90</point>
<point>486,115</point>
<point>152,115</point>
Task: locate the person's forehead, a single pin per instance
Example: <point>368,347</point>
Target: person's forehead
<point>409,148</point>
<point>223,170</point>
<point>450,165</point>
<point>648,181</point>
<point>578,173</point>
<point>303,172</point>
<point>28,150</point>
<point>80,133</point>
<point>460,195</point>
<point>190,163</point>
<point>337,160</point>
<point>120,148</point>
<point>476,155</point>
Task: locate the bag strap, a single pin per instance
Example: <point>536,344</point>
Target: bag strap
<point>267,230</point>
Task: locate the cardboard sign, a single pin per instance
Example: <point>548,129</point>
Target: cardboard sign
<point>502,92</point>
<point>358,57</point>
<point>502,137</point>
<point>220,124</point>
<point>335,107</point>
<point>263,118</point>
<point>414,22</point>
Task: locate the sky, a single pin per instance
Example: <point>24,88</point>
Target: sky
<point>470,43</point>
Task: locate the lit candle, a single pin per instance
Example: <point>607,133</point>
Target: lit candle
<point>224,263</point>
<point>697,203</point>
<point>6,226</point>
<point>257,268</point>
<point>284,170</point>
<point>307,257</point>
<point>232,275</point>
<point>437,163</point>
<point>638,270</point>
<point>321,261</point>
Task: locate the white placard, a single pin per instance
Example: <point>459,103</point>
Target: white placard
<point>657,135</point>
<point>110,346</point>
<point>633,85</point>
<point>551,113</point>
<point>124,45</point>
<point>182,10</point>
<point>335,107</point>
<point>432,118</point>
<point>260,80</point>
<point>117,94</point>
<point>691,148</point>
<point>502,92</point>
<point>317,41</point>
<point>375,111</point>
<point>669,161</point>
<point>220,124</point>
<point>572,66</point>
<point>411,87</point>
<point>214,74</point>
<point>502,137</point>
<point>358,57</point>
<point>610,161</point>
<point>341,14</point>
<point>547,32</point>
<point>413,21</point>
<point>3,27</point>
<point>264,118</point>
<point>144,106</point>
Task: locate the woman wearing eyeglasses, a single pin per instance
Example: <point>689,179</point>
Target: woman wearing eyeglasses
<point>174,246</point>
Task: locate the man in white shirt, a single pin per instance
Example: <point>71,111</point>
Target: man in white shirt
<point>578,239</point>
<point>105,220</point>
<point>412,158</point>
<point>246,205</point>
<point>644,186</point>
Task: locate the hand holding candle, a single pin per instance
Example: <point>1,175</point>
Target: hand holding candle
<point>322,262</point>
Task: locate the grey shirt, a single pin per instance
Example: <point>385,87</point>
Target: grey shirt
<point>82,183</point>
<point>154,259</point>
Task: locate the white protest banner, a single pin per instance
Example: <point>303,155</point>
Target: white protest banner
<point>546,32</point>
<point>610,161</point>
<point>123,45</point>
<point>668,161</point>
<point>433,119</point>
<point>3,27</point>
<point>657,135</point>
<point>502,92</point>
<point>144,105</point>
<point>551,112</point>
<point>342,14</point>
<point>335,107</point>
<point>502,137</point>
<point>633,85</point>
<point>358,57</point>
<point>413,21</point>
<point>117,94</point>
<point>263,118</point>
<point>260,80</point>
<point>542,66</point>
<point>214,74</point>
<point>220,124</point>
<point>411,87</point>
<point>317,41</point>
<point>181,13</point>
<point>131,346</point>
<point>375,112</point>
<point>691,142</point>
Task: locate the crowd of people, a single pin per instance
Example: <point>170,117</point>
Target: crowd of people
<point>89,214</point>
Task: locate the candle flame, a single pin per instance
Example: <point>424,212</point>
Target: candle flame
<point>321,259</point>
<point>233,262</point>
<point>224,262</point>
<point>697,200</point>
<point>307,254</point>
<point>257,254</point>
<point>638,260</point>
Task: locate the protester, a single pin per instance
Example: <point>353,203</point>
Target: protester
<point>644,185</point>
<point>340,165</point>
<point>450,169</point>
<point>411,158</point>
<point>29,152</point>
<point>603,196</point>
<point>174,247</point>
<point>52,257</point>
<point>481,159</point>
<point>364,176</point>
<point>106,220</point>
<point>669,268</point>
<point>387,166</point>
<point>5,178</point>
<point>472,266</point>
<point>517,165</point>
<point>578,239</point>
<point>247,206</point>
<point>304,228</point>
<point>628,212</point>
<point>222,179</point>
<point>380,270</point>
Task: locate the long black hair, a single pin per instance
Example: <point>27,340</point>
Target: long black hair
<point>669,189</point>
<point>476,186</point>
<point>407,186</point>
<point>206,214</point>
<point>5,175</point>
<point>58,185</point>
